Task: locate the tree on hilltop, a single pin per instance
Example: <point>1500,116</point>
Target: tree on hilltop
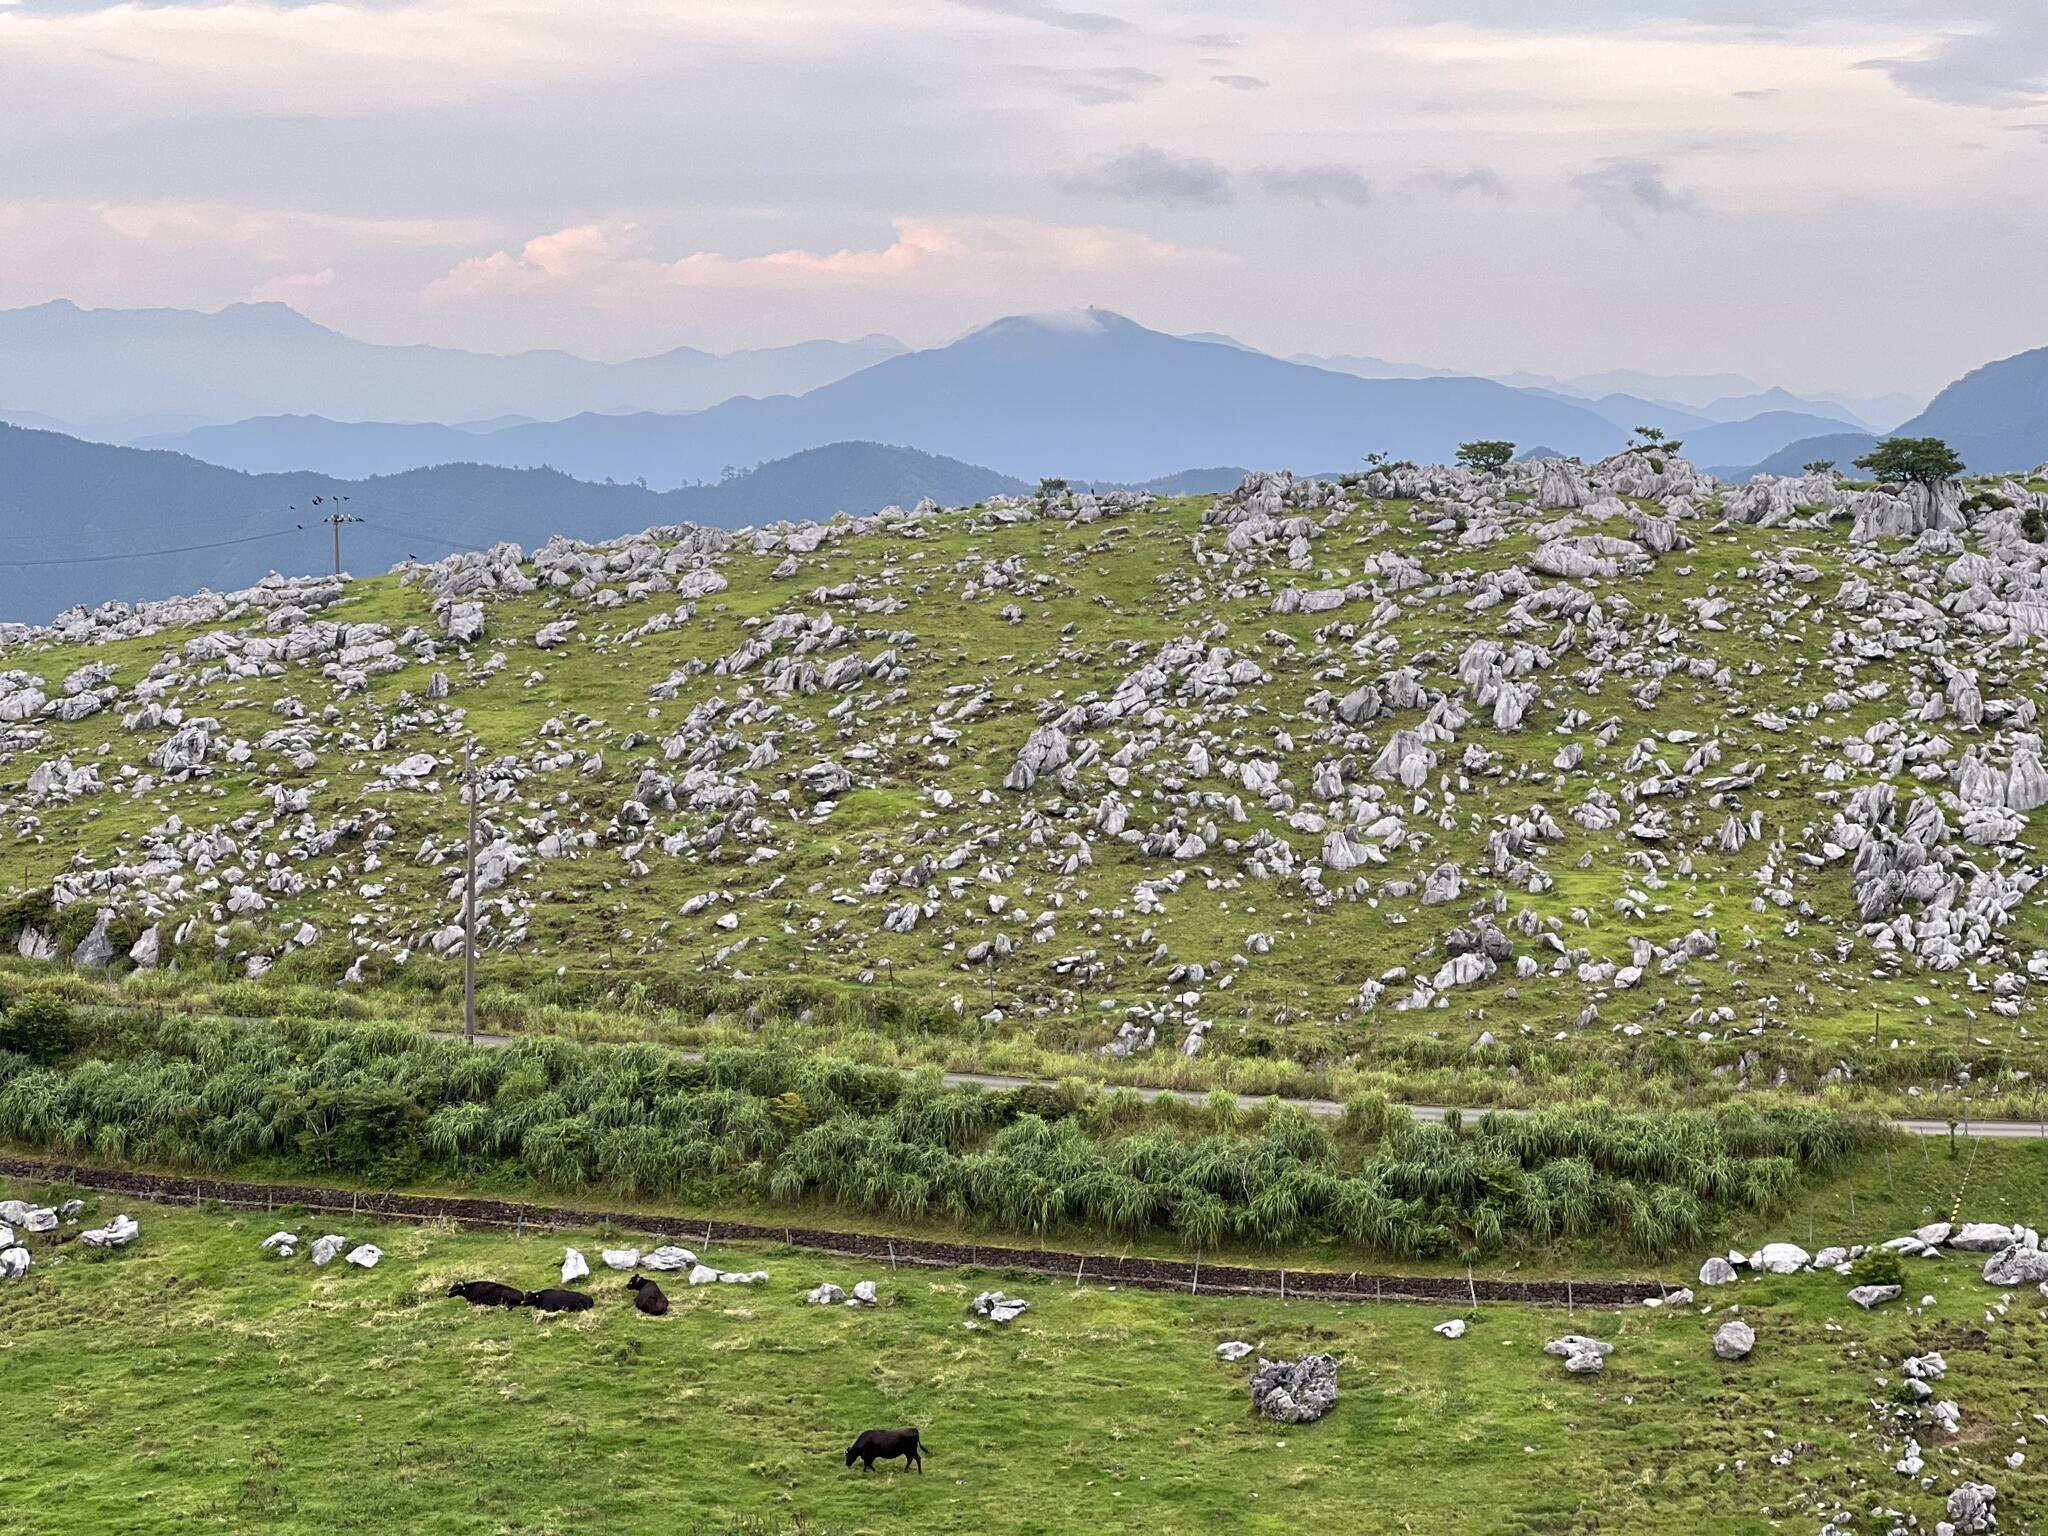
<point>1924,461</point>
<point>1486,454</point>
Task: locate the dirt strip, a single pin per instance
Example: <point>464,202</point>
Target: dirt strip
<point>1103,1269</point>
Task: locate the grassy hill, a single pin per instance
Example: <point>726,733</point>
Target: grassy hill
<point>1312,780</point>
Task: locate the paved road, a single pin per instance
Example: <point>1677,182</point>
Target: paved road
<point>1432,1114</point>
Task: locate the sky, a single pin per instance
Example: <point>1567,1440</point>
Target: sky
<point>1841,194</point>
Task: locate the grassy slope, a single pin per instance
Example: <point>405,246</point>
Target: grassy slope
<point>1117,583</point>
<point>188,1381</point>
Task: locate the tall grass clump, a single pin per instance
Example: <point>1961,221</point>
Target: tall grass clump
<point>385,1102</point>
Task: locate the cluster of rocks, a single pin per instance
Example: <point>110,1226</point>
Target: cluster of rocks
<point>2013,1256</point>
<point>998,1308</point>
<point>20,1221</point>
<point>1582,1355</point>
<point>285,1244</point>
<point>830,1295</point>
<point>1295,1391</point>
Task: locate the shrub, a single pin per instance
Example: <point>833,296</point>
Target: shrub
<point>39,1027</point>
<point>1880,1266</point>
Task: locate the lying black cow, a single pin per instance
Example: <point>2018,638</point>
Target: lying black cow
<point>885,1445</point>
<point>488,1293</point>
<point>555,1299</point>
<point>648,1297</point>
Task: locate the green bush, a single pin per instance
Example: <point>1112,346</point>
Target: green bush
<point>39,1027</point>
<point>1880,1266</point>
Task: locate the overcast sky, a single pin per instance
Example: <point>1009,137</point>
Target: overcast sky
<point>1823,193</point>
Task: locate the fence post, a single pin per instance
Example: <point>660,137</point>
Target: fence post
<point>1568,1308</point>
<point>1195,1284</point>
<point>892,1255</point>
<point>1283,1287</point>
<point>1471,1289</point>
<point>1077,1273</point>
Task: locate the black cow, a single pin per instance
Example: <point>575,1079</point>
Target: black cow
<point>885,1445</point>
<point>488,1293</point>
<point>647,1296</point>
<point>555,1299</point>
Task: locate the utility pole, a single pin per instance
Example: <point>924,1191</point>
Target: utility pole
<point>334,517</point>
<point>470,786</point>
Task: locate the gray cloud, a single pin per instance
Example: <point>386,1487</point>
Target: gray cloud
<point>1241,82</point>
<point>1758,95</point>
<point>1097,87</point>
<point>1321,185</point>
<point>2038,130</point>
<point>1633,192</point>
<point>1147,174</point>
<point>2003,63</point>
<point>1479,180</point>
<point>1091,23</point>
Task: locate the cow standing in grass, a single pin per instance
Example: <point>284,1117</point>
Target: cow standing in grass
<point>886,1445</point>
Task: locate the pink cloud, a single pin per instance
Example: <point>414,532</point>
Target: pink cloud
<point>601,278</point>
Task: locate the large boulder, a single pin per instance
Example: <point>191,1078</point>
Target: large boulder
<point>998,1308</point>
<point>1717,1271</point>
<point>2017,1266</point>
<point>118,1233</point>
<point>1295,1391</point>
<point>1868,1296</point>
<point>1780,1259</point>
<point>1982,1237</point>
<point>1972,1509</point>
<point>1734,1339</point>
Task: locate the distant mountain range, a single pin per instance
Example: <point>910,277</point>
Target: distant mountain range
<point>119,374</point>
<point>1088,396</point>
<point>94,521</point>
<point>1995,416</point>
<point>1631,399</point>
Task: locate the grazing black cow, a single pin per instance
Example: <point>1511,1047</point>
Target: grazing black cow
<point>886,1445</point>
<point>555,1299</point>
<point>647,1296</point>
<point>488,1293</point>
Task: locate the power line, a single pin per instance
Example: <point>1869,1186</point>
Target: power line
<point>417,533</point>
<point>147,554</point>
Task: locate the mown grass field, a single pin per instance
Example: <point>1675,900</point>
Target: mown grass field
<point>188,1383</point>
